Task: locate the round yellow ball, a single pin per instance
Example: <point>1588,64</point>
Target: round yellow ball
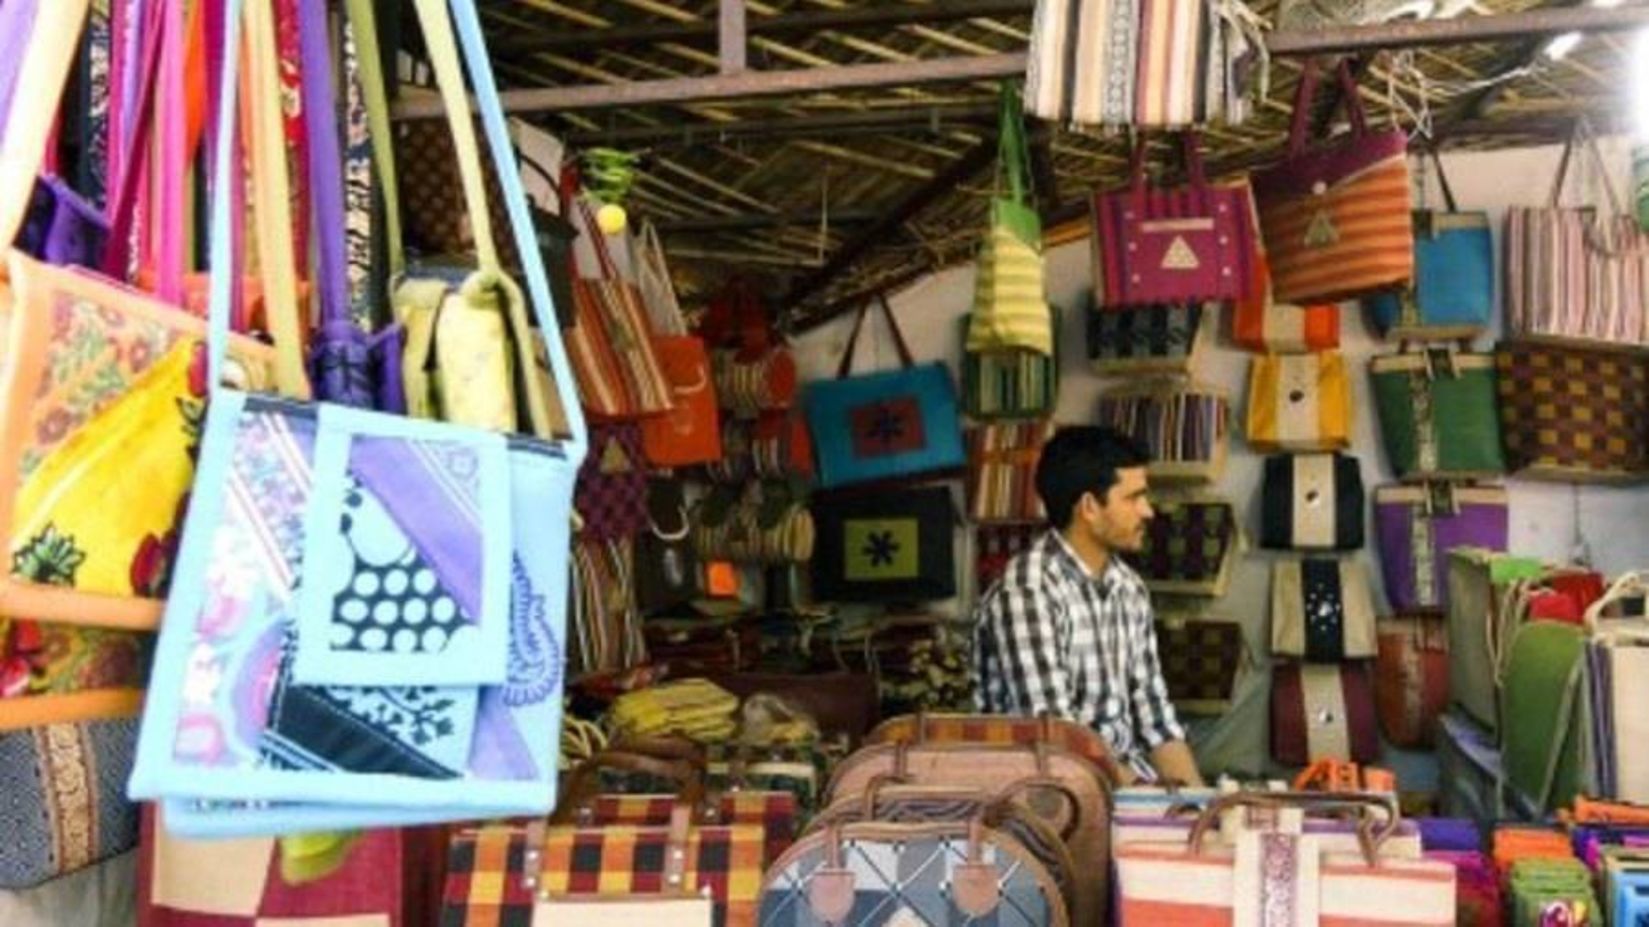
<point>612,218</point>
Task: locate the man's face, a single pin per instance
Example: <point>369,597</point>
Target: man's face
<point>1118,521</point>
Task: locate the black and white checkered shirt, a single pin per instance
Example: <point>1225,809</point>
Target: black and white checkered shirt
<point>1049,636</point>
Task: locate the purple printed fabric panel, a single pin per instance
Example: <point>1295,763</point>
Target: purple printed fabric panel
<point>430,491</point>
<point>1402,528</point>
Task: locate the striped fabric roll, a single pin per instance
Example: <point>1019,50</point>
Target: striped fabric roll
<point>1002,471</point>
<point>1186,429</point>
<point>1149,63</point>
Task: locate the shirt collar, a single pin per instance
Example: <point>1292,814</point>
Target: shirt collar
<point>1106,580</point>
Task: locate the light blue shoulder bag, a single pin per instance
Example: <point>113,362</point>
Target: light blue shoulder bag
<point>360,633</point>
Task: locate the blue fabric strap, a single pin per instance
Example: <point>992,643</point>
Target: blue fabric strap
<point>515,199</point>
<point>221,258</point>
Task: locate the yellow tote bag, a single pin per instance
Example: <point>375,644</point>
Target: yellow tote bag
<point>1010,303</point>
<point>1299,402</point>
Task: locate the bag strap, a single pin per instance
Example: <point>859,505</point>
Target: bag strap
<point>171,211</point>
<point>515,202</point>
<point>1631,584</point>
<point>39,90</point>
<point>845,368</point>
<point>325,155</point>
<point>16,20</point>
<point>649,254</point>
<point>1583,136</point>
<point>449,79</point>
<point>1442,177</point>
<point>1306,94</point>
<point>130,153</point>
<point>272,208</point>
<point>266,149</point>
<point>364,25</point>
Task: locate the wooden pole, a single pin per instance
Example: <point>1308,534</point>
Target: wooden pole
<point>936,118</point>
<point>731,36</point>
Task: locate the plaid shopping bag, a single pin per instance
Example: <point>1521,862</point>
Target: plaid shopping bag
<point>491,881</point>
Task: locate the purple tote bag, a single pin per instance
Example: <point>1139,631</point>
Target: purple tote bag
<point>1418,525</point>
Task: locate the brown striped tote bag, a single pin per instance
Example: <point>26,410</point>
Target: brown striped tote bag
<point>1335,214</point>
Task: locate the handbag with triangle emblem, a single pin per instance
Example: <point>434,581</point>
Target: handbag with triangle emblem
<point>1186,244</point>
<point>1335,214</point>
<point>611,495</point>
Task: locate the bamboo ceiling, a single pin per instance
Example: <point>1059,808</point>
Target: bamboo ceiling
<point>739,186</point>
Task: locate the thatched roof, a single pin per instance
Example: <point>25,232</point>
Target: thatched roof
<point>739,186</point>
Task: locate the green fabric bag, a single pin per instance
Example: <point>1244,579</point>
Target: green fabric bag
<point>1545,725</point>
<point>1010,304</point>
<point>1010,384</point>
<point>1438,413</point>
<point>1480,626</point>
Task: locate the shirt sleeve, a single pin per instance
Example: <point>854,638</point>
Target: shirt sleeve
<point>1030,628</point>
<point>1154,716</point>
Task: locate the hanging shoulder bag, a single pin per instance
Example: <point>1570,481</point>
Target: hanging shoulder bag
<point>895,424</point>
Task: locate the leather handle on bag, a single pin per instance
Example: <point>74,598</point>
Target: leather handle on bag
<point>1371,834</point>
<point>845,368</point>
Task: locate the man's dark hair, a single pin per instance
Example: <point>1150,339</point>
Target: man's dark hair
<point>1081,459</point>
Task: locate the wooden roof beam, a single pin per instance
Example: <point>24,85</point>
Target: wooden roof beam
<point>879,16</point>
<point>936,118</point>
<point>1460,30</point>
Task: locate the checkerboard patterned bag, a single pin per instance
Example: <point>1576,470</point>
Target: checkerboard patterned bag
<point>611,494</point>
<point>1201,659</point>
<point>492,879</point>
<point>1573,412</point>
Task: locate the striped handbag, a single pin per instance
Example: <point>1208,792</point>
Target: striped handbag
<point>1577,272</point>
<point>1335,216</point>
<point>1149,63</point>
<point>1010,303</point>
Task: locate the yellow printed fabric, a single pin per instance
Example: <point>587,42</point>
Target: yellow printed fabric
<point>1010,305</point>
<point>100,511</point>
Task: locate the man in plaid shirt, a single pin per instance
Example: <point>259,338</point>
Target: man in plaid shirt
<point>1068,629</point>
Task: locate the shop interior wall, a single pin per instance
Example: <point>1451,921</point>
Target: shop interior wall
<point>1548,520</point>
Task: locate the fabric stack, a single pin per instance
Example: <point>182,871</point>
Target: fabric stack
<point>693,708</point>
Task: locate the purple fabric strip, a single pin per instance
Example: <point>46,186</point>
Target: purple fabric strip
<point>498,750</point>
<point>16,22</point>
<point>325,160</point>
<point>443,528</point>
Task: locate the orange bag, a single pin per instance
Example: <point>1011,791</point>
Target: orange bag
<point>690,433</point>
<point>1265,326</point>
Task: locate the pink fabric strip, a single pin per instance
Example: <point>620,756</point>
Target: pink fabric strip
<point>173,161</point>
<point>289,47</point>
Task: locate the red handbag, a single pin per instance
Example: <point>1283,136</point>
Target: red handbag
<point>1185,244</point>
<point>690,433</point>
<point>1411,680</point>
<point>1323,711</point>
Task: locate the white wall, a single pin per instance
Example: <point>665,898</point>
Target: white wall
<point>1612,522</point>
